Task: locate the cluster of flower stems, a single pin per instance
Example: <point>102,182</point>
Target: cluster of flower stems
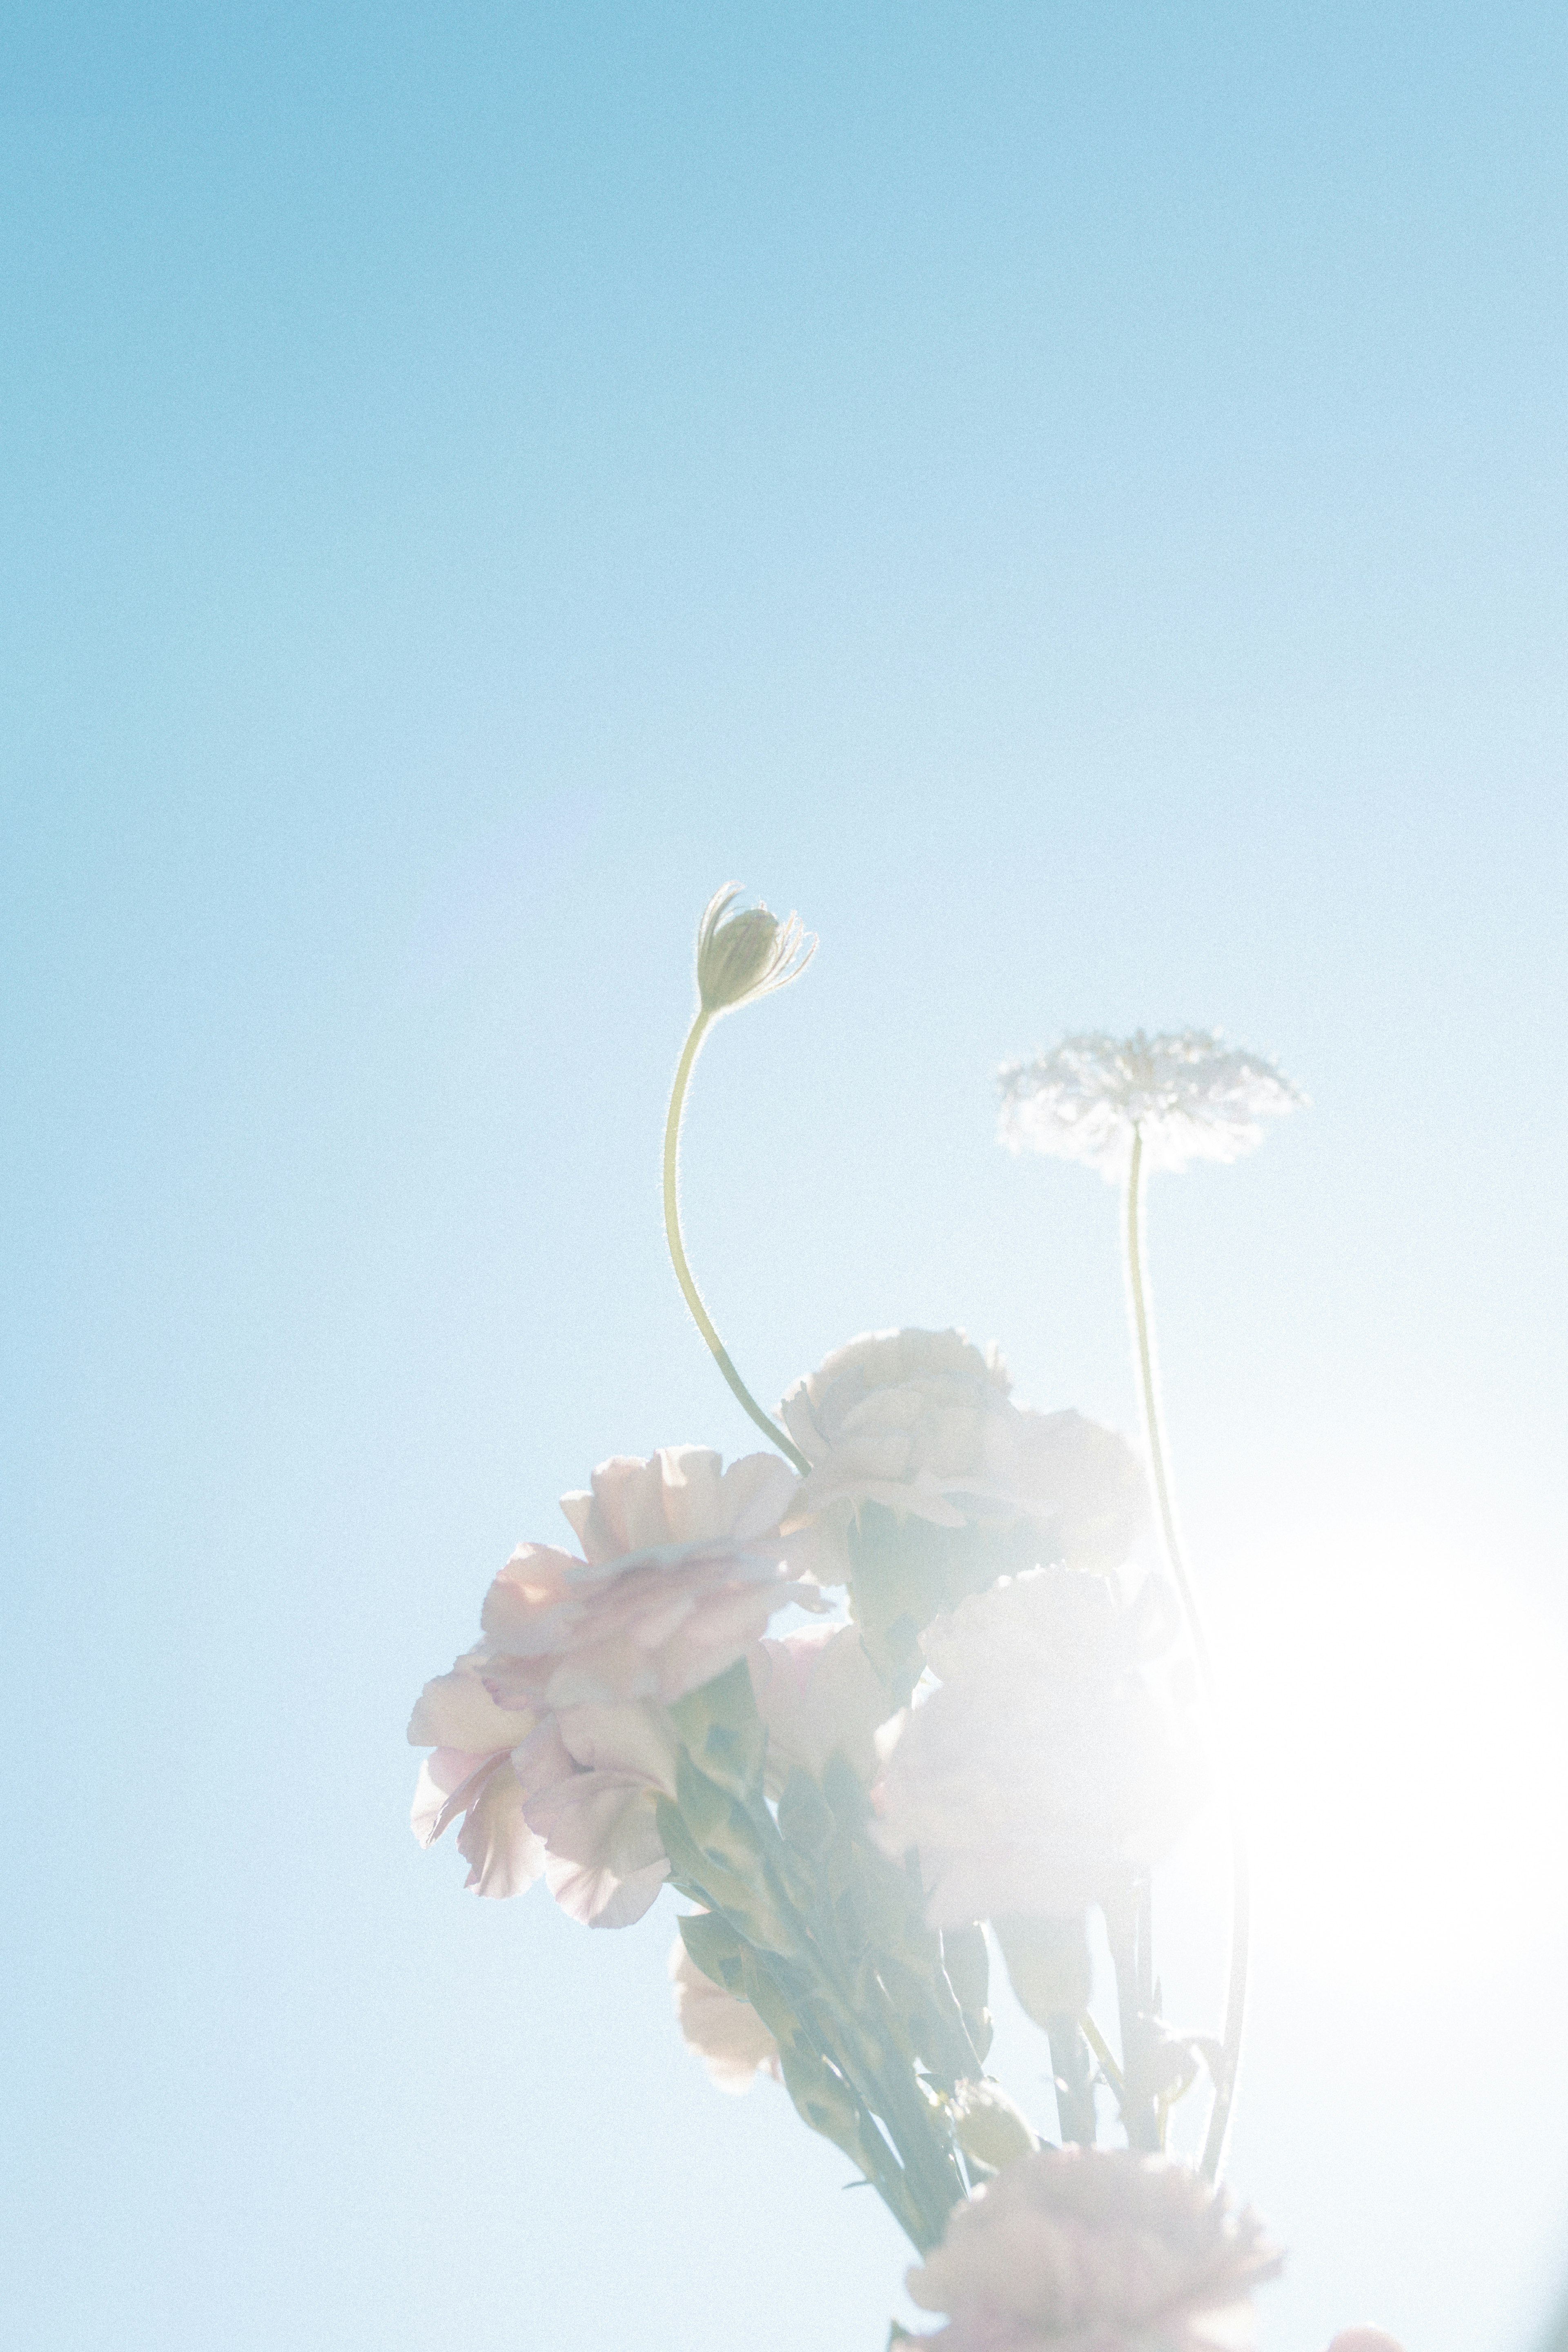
<point>879,2019</point>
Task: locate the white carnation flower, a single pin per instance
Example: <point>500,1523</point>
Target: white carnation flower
<point>1188,1095</point>
<point>1046,1767</point>
<point>922,1423</point>
<point>1095,2250</point>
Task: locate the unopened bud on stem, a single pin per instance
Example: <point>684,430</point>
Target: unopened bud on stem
<point>747,954</point>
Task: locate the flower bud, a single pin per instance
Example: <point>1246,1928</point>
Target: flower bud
<point>989,2126</point>
<point>746,954</point>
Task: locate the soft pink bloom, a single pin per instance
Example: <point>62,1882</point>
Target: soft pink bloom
<point>725,2032</point>
<point>1045,1766</point>
<point>683,1568</point>
<point>471,1777</point>
<point>570,1799</point>
<point>818,1694</point>
<point>1365,2339</point>
<point>922,1423</point>
<point>552,1739</point>
<point>1095,2250</point>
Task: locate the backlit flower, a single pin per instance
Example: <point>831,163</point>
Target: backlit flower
<point>1189,1095</point>
<point>819,1696</point>
<point>569,1798</point>
<point>1045,1767</point>
<point>922,1423</point>
<point>748,954</point>
<point>553,1738</point>
<point>683,1567</point>
<point>718,2027</point>
<point>1095,2250</point>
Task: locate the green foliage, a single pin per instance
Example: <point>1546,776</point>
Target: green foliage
<point>723,1732</point>
<point>904,1571</point>
<point>806,1918</point>
<point>967,1962</point>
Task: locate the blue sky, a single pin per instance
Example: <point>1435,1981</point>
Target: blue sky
<point>1072,499</point>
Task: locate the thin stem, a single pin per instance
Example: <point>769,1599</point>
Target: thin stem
<point>1074,2078</point>
<point>1241,1881</point>
<point>683,1275</point>
<point>1124,1922</point>
<point>1102,2051</point>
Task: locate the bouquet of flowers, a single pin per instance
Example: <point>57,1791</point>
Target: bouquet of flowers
<point>884,1705</point>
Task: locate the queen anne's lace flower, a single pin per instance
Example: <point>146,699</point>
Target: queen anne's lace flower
<point>553,1738</point>
<point>1045,1767</point>
<point>718,2027</point>
<point>1189,1095</point>
<point>1095,2250</point>
<point>922,1423</point>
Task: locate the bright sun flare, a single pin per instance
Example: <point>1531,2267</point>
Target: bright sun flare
<point>1403,1750</point>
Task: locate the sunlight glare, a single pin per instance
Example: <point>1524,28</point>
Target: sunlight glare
<point>1402,1752</point>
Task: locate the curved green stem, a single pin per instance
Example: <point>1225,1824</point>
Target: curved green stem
<point>683,1275</point>
<point>1241,1877</point>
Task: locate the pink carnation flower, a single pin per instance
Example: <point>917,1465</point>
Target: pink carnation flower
<point>1095,2250</point>
<point>819,1696</point>
<point>923,1422</point>
<point>552,1743</point>
<point>1045,1766</point>
<point>683,1567</point>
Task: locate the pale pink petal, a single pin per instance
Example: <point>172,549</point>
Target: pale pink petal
<point>504,1854</point>
<point>536,1577</point>
<point>597,1900</point>
<point>543,1758</point>
<point>443,1775</point>
<point>456,1710</point>
<point>638,1739</point>
<point>602,1839</point>
<point>819,1695</point>
<point>759,1489</point>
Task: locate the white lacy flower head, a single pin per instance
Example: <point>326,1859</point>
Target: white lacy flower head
<point>1095,2250</point>
<point>923,1422</point>
<point>719,2028</point>
<point>552,1740</point>
<point>1045,1767</point>
<point>1189,1095</point>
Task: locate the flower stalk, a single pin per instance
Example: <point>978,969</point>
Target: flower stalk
<point>1241,1877</point>
<point>679,1259</point>
<point>740,956</point>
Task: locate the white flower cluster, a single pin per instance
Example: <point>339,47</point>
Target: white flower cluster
<point>1076,2249</point>
<point>1188,1095</point>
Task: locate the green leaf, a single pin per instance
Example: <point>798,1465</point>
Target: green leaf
<point>806,1818</point>
<point>721,1728</point>
<point>905,1569</point>
<point>714,1945</point>
<point>696,1874</point>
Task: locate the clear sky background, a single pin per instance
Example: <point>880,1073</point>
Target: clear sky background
<point>1073,499</point>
